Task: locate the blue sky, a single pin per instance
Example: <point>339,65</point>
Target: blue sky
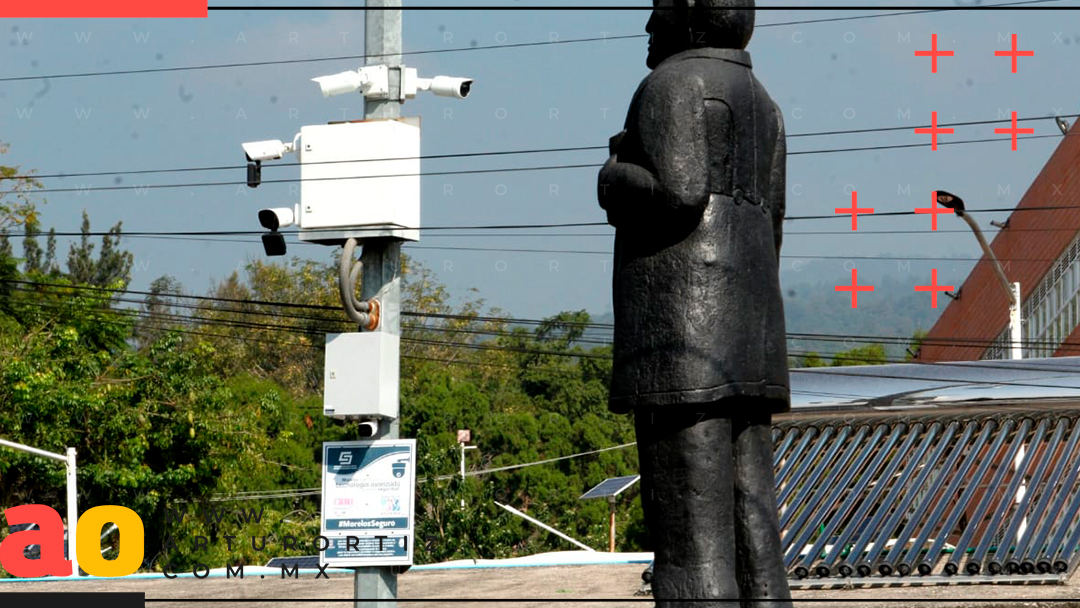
<point>826,76</point>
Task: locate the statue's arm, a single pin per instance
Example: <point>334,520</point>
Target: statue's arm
<point>672,127</point>
<point>779,182</point>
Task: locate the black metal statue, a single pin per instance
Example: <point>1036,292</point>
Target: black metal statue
<point>695,189</point>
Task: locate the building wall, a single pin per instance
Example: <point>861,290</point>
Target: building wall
<point>1027,249</point>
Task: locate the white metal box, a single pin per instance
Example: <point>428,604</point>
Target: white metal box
<point>360,378</point>
<point>343,169</point>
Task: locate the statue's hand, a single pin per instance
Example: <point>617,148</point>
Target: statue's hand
<point>614,141</point>
<point>605,188</point>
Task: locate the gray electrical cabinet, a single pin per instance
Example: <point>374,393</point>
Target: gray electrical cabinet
<point>361,375</point>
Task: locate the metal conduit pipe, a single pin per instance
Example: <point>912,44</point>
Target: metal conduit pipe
<point>953,565</point>
<point>1003,561</point>
<point>808,504</point>
<point>940,499</point>
<point>811,481</point>
<point>864,567</point>
<point>881,564</point>
<point>926,566</point>
<point>879,487</point>
<point>851,465</point>
<point>855,495</point>
<point>974,564</point>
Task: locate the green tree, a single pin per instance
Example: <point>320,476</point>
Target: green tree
<point>871,354</point>
<point>810,359</point>
<point>112,265</point>
<point>17,203</point>
<point>159,311</point>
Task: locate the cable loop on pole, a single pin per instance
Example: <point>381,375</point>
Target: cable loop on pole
<point>363,312</point>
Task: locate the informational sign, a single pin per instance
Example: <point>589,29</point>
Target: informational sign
<point>464,436</point>
<point>368,502</point>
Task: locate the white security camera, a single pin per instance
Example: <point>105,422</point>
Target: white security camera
<point>448,86</point>
<point>279,217</point>
<point>271,149</point>
<point>372,81</point>
<point>340,84</point>
<point>368,428</point>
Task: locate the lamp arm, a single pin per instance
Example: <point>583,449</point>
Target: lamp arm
<point>990,254</point>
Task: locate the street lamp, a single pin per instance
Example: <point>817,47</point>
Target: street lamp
<point>951,201</point>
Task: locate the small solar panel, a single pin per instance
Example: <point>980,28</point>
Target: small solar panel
<point>303,561</point>
<point>611,487</point>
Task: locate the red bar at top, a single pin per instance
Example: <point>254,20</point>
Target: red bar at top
<point>103,8</point>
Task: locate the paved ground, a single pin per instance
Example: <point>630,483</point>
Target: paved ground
<point>563,583</point>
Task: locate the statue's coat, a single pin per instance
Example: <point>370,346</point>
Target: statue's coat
<point>696,190</point>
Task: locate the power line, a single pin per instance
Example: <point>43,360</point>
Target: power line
<point>364,58</point>
<point>289,493</point>
<point>783,256</point>
<point>602,356</point>
<point>147,187</point>
<point>227,233</point>
<point>140,315</point>
<point>202,233</point>
<point>884,339</point>
<point>855,338</point>
<point>460,155</point>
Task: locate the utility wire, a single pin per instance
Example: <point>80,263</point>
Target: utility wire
<point>57,288</point>
<point>458,155</point>
<point>288,493</point>
<point>203,233</point>
<point>876,339</point>
<point>364,58</point>
<point>147,187</point>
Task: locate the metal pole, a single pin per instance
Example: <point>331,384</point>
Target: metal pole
<point>462,472</point>
<point>611,528</point>
<point>381,260</point>
<point>72,511</point>
<point>1016,335</point>
<point>1012,290</point>
<point>34,451</point>
<point>72,508</point>
<point>989,254</point>
<point>544,526</point>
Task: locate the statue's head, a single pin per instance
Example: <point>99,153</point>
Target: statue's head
<point>679,25</point>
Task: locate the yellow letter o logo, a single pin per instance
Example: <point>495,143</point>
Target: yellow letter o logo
<point>131,541</point>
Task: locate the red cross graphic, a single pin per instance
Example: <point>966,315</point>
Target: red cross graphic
<point>933,130</point>
<point>933,288</point>
<point>933,53</point>
<point>1014,53</point>
<point>855,288</point>
<point>934,210</point>
<point>854,210</point>
<point>1014,131</point>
